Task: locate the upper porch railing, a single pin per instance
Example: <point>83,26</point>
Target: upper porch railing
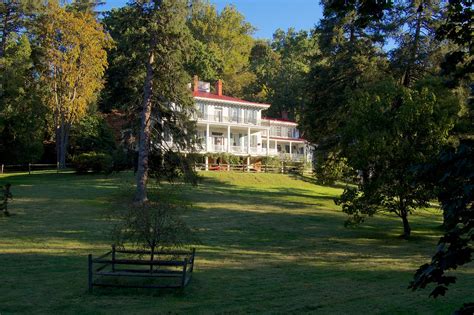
<point>228,119</point>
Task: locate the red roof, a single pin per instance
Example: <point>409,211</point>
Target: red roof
<point>226,98</point>
<point>280,119</point>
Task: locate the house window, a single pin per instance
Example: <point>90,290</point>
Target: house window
<point>234,114</point>
<point>290,133</point>
<point>253,140</point>
<point>218,114</point>
<point>202,111</point>
<point>278,131</point>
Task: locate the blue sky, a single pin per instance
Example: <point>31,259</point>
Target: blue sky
<point>266,15</point>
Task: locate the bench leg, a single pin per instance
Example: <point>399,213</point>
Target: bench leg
<point>183,278</point>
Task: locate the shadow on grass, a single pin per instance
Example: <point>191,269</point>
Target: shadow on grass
<point>33,283</point>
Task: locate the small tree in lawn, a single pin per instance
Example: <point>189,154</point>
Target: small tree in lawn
<point>391,130</point>
<point>74,60</point>
<point>153,226</point>
<point>5,194</point>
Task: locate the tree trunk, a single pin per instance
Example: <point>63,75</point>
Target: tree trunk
<point>414,51</point>
<point>145,131</point>
<point>406,226</point>
<point>152,257</point>
<point>62,140</point>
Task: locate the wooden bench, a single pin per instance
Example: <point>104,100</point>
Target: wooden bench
<point>174,266</point>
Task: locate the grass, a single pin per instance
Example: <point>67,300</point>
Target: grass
<point>270,243</point>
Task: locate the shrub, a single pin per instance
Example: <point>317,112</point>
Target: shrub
<point>93,162</point>
<point>122,160</point>
<point>92,134</point>
<point>329,168</point>
<point>152,227</point>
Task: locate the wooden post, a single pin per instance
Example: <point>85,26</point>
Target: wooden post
<point>29,168</point>
<point>183,278</point>
<point>113,258</point>
<point>89,278</point>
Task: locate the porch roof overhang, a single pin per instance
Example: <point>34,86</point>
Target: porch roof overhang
<point>288,139</point>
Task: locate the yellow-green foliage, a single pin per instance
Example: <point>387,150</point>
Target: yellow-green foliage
<point>73,46</point>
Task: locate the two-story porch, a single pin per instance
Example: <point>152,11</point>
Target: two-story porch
<point>234,126</point>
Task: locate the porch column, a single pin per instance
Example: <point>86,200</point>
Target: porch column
<point>304,152</point>
<point>228,138</point>
<point>248,140</point>
<point>208,137</point>
<point>291,157</point>
<point>248,163</point>
<point>268,142</point>
<point>206,161</point>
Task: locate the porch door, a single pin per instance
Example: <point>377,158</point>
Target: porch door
<point>219,143</point>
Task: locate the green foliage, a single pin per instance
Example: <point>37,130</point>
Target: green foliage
<point>125,74</point>
<point>281,67</point>
<point>152,227</point>
<point>93,162</point>
<point>22,115</point>
<point>391,130</point>
<point>204,63</point>
<point>341,65</point>
<point>453,176</point>
<point>330,168</point>
<point>271,161</point>
<point>5,194</point>
<point>173,166</point>
<point>225,158</point>
<point>122,160</point>
<point>458,63</point>
<point>92,133</point>
<point>73,59</point>
<point>227,36</point>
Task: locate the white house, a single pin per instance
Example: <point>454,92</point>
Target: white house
<point>235,126</point>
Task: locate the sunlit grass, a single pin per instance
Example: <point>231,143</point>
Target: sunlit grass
<point>270,243</point>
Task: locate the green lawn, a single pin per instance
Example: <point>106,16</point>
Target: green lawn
<point>270,243</point>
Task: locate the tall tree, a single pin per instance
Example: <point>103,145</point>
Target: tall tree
<point>74,60</point>
<point>14,17</point>
<point>229,37</point>
<point>414,24</point>
<point>349,56</point>
<point>163,46</point>
<point>22,114</point>
<point>451,173</point>
<point>280,68</point>
<point>390,141</point>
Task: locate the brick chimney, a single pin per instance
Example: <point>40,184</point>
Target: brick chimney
<point>284,114</point>
<point>219,87</point>
<point>195,83</point>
